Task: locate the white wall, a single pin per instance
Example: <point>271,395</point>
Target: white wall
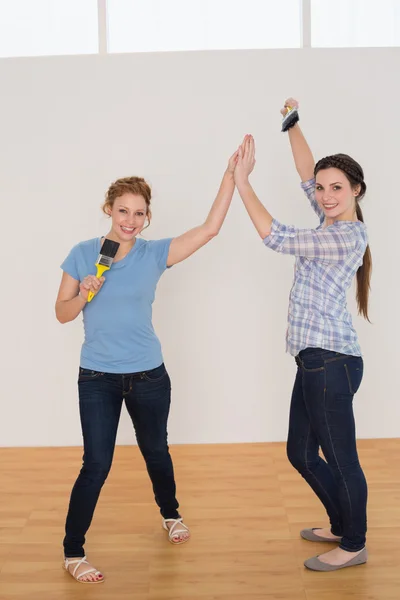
<point>71,125</point>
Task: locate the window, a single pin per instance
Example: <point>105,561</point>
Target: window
<point>65,27</point>
<point>351,23</point>
<point>173,25</point>
<point>43,27</point>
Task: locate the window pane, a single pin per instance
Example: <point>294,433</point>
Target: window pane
<point>352,23</point>
<point>48,27</point>
<point>172,25</point>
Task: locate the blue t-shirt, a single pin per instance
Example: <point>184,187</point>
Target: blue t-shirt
<point>119,334</point>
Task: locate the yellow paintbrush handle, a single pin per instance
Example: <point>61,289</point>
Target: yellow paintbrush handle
<point>100,270</point>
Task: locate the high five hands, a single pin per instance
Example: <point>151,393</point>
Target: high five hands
<point>245,160</point>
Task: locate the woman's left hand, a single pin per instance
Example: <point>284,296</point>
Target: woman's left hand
<point>232,162</point>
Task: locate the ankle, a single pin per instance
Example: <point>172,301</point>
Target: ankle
<point>336,533</point>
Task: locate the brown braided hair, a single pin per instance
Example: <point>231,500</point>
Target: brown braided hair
<point>131,185</point>
<point>354,173</point>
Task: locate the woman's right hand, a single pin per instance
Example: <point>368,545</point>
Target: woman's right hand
<point>289,103</point>
<point>90,284</point>
<point>246,160</point>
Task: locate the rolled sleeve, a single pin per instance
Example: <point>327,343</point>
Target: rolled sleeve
<point>331,244</point>
<point>278,235</point>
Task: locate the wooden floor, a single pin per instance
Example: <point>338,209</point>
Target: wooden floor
<point>245,506</point>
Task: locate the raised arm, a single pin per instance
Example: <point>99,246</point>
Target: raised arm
<point>186,244</point>
<point>262,219</point>
<point>302,155</point>
<point>331,244</point>
<point>303,159</point>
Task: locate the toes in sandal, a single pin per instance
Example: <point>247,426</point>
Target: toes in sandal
<point>177,528</point>
<point>78,563</point>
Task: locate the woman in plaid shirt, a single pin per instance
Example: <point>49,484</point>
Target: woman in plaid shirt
<point>322,338</point>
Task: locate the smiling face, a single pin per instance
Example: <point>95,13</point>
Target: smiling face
<point>127,202</point>
<point>128,214</point>
<point>335,195</point>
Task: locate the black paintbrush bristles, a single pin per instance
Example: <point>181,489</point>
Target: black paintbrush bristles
<point>290,119</point>
<point>108,250</point>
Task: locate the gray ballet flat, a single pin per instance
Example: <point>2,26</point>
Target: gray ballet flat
<point>317,565</point>
<point>308,534</point>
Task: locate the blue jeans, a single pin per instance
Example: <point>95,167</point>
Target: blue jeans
<point>147,398</point>
<point>321,416</point>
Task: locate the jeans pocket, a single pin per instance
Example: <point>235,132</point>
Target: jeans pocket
<point>155,375</point>
<point>88,375</point>
<point>313,364</point>
<point>314,359</point>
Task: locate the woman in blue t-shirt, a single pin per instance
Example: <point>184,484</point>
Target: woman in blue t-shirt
<point>121,357</point>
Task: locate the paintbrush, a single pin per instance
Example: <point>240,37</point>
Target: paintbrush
<point>290,119</point>
<point>105,259</point>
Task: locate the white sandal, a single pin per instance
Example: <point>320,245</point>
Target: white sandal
<point>173,532</point>
<point>78,563</point>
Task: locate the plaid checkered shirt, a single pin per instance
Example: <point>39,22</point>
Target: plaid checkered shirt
<point>327,259</point>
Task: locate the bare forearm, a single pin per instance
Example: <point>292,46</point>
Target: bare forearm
<point>262,220</point>
<point>186,244</point>
<point>68,310</point>
<point>221,204</point>
<point>302,154</point>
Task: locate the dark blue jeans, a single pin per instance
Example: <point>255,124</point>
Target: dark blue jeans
<point>147,398</point>
<point>321,416</point>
